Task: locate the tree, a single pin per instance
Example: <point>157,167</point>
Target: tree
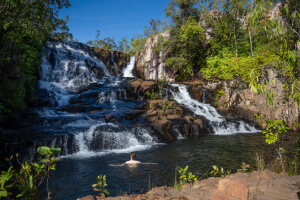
<point>123,45</point>
<point>24,27</point>
<point>237,11</point>
<point>291,16</point>
<point>153,29</point>
<point>105,43</point>
<point>188,50</point>
<point>181,10</point>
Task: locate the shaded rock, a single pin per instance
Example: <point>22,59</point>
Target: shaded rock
<point>137,88</point>
<point>163,128</point>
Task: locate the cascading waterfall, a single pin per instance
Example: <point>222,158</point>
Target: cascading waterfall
<point>67,68</point>
<point>70,68</point>
<point>128,70</point>
<point>220,125</point>
<point>115,64</point>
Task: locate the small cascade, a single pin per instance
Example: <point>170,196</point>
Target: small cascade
<point>128,70</point>
<point>115,64</point>
<point>219,124</point>
<point>112,137</point>
<point>68,68</point>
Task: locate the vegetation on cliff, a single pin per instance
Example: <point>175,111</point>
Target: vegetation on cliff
<point>24,27</point>
<point>227,39</point>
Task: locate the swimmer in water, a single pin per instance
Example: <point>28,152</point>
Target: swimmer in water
<point>132,161</point>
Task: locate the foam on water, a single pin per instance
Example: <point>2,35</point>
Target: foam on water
<point>128,70</point>
<point>220,124</point>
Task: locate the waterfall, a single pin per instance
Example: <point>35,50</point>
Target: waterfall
<point>78,82</point>
<point>115,64</point>
<point>220,125</point>
<point>128,70</point>
<point>67,68</point>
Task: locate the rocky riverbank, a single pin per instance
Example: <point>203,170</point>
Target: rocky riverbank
<point>265,185</point>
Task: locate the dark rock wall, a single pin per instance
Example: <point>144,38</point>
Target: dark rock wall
<point>120,58</point>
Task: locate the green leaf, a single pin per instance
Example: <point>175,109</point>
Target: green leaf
<point>44,160</point>
<point>56,150</point>
<point>3,193</point>
<point>43,150</point>
<point>30,182</point>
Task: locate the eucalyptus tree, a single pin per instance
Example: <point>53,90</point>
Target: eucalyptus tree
<point>181,10</point>
<point>236,9</point>
<point>290,11</point>
<point>105,43</point>
<point>153,28</point>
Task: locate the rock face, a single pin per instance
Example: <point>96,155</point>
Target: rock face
<point>169,121</point>
<point>245,104</point>
<point>263,185</point>
<point>239,101</point>
<point>138,88</point>
<point>108,57</point>
<point>151,65</point>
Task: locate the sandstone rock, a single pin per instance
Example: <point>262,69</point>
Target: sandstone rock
<point>152,66</point>
<point>232,187</point>
<point>163,128</point>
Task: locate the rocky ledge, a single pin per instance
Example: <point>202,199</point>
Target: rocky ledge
<point>265,185</point>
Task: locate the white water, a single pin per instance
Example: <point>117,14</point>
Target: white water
<point>67,68</point>
<point>113,141</point>
<point>115,64</point>
<point>70,67</point>
<point>219,123</point>
<point>128,70</point>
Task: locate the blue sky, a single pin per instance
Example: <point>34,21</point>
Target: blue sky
<point>114,18</point>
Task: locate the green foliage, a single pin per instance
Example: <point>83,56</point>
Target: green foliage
<point>152,94</point>
<point>105,43</point>
<point>258,161</point>
<point>274,129</point>
<point>181,10</point>
<point>100,185</point>
<point>153,29</point>
<point>244,168</point>
<point>166,105</point>
<point>138,43</point>
<point>187,45</point>
<point>123,45</point>
<point>226,66</point>
<point>184,177</point>
<point>25,27</point>
<point>219,172</point>
<point>28,179</point>
<point>218,96</point>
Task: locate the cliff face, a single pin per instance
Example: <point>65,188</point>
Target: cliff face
<point>239,101</point>
<point>150,65</point>
<point>115,61</point>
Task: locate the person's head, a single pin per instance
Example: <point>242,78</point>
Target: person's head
<point>132,155</point>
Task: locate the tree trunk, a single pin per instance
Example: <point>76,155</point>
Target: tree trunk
<point>235,43</point>
<point>251,47</point>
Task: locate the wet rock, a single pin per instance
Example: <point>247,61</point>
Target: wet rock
<point>163,128</point>
<point>81,108</point>
<point>137,88</point>
<point>120,58</point>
